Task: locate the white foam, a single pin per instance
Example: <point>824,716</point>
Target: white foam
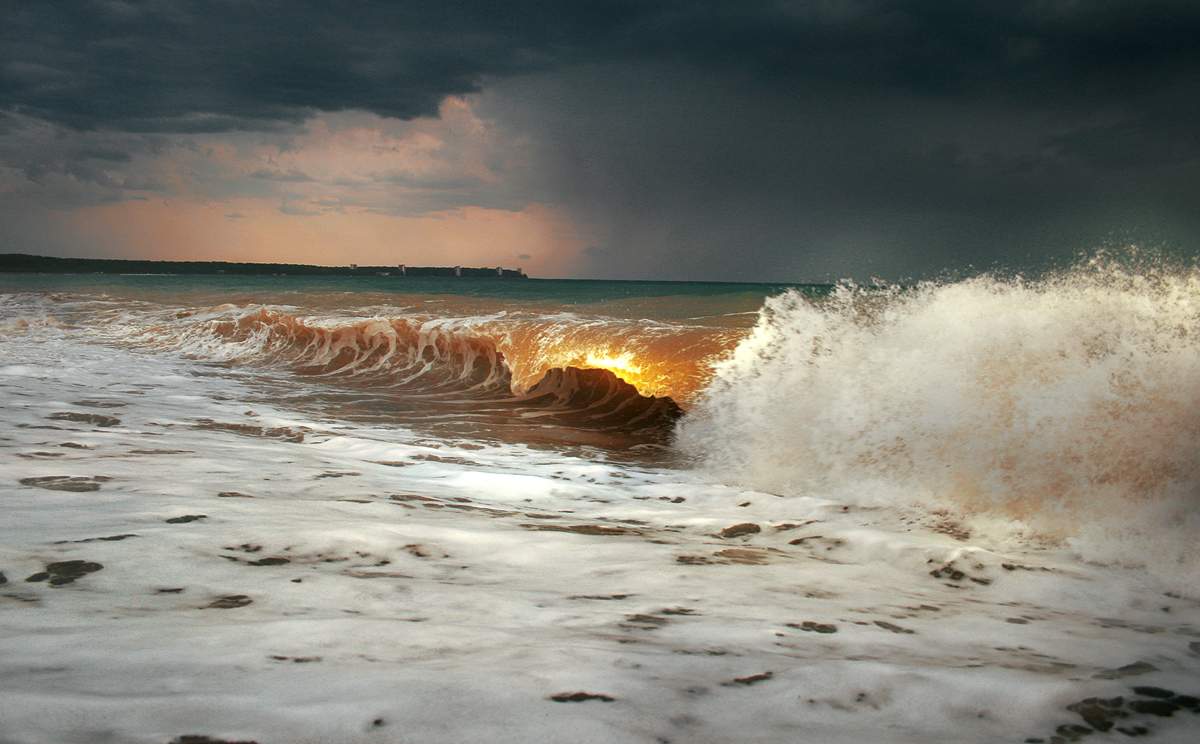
<point>1070,404</point>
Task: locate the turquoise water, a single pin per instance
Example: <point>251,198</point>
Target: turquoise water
<point>566,291</point>
<point>542,293</point>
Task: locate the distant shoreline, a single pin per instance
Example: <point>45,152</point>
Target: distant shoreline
<point>23,263</point>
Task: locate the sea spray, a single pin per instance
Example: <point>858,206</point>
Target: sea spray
<point>1070,404</point>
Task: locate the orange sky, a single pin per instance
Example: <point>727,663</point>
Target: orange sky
<point>349,187</point>
<point>536,238</point>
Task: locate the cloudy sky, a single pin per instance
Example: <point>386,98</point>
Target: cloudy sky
<point>679,140</point>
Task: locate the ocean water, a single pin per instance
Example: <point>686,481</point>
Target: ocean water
<point>382,510</point>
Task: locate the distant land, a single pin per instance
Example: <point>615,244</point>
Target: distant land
<point>25,263</point>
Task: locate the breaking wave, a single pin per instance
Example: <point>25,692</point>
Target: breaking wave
<point>1069,404</point>
<point>499,351</point>
<point>599,397</point>
<point>455,360</point>
<point>394,352</point>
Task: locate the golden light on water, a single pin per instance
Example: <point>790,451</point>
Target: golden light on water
<point>619,365</point>
<point>623,366</point>
<point>663,365</point>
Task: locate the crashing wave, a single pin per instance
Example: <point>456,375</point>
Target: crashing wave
<point>597,397</point>
<point>1071,403</point>
<point>401,354</point>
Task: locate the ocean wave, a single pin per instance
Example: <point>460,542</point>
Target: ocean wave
<point>458,359</point>
<point>597,397</point>
<point>390,351</point>
<point>503,351</point>
<point>1067,406</point>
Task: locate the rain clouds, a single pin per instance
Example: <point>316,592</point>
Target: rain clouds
<point>678,140</point>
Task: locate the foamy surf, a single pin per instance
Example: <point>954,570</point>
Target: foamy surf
<point>1069,405</point>
<point>220,539</point>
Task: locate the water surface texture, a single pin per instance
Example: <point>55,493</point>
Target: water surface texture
<point>388,510</point>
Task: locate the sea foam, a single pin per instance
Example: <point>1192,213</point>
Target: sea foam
<point>1069,405</point>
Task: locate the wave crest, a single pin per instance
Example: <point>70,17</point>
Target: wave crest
<point>455,357</point>
<point>394,352</point>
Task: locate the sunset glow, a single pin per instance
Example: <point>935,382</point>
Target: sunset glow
<point>621,364</point>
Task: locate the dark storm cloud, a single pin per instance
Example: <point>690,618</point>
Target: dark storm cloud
<point>203,67</point>
<point>717,179</point>
<point>190,66</point>
<point>703,140</point>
